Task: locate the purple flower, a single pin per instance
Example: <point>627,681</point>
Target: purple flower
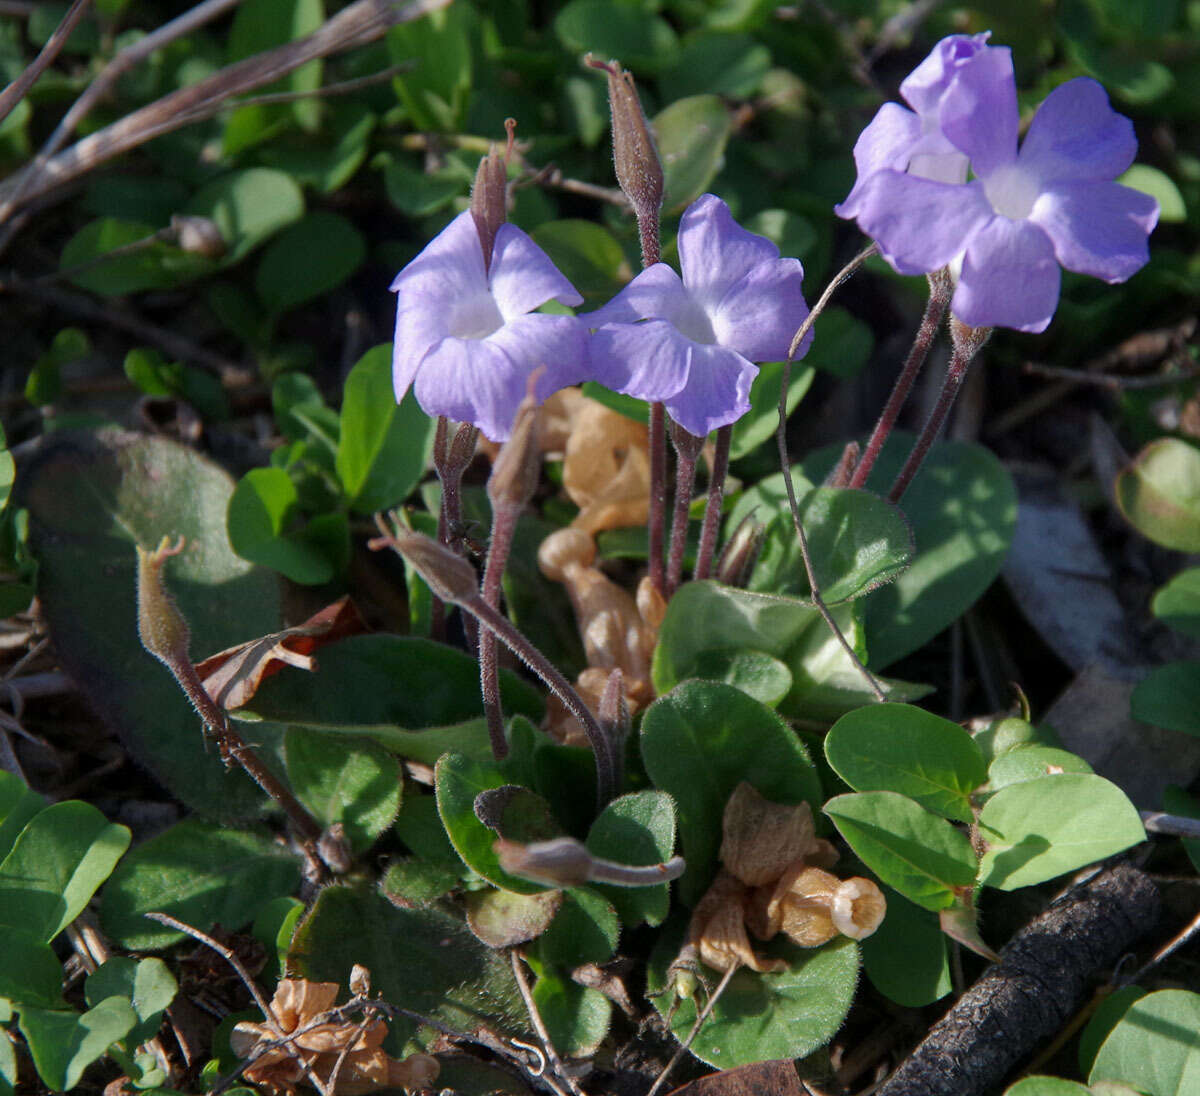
<point>464,338</point>
<point>906,141</point>
<point>1025,213</point>
<point>691,343</point>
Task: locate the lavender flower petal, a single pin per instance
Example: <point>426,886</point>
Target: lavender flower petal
<point>885,143</point>
<point>450,265</point>
<point>656,293</point>
<point>558,344</point>
<point>648,360</point>
<point>715,252</point>
<point>522,277</point>
<point>1098,228</point>
<point>472,380</point>
<point>1010,278</point>
<point>920,225</point>
<point>979,111</point>
<point>924,86</point>
<point>759,316</point>
<point>1075,134</point>
<point>717,392</point>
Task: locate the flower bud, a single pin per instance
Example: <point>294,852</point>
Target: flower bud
<point>489,202</point>
<point>161,626</point>
<point>518,465</point>
<point>762,838</point>
<point>741,552</point>
<point>635,157</point>
<point>199,236</point>
<point>449,576</point>
<point>560,862</point>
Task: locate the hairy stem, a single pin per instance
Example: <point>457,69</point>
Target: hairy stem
<point>687,449</point>
<point>710,530</point>
<point>941,288</point>
<point>657,517</point>
<point>504,523</point>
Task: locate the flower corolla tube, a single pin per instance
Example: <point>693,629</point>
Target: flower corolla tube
<point>467,338</point>
<point>1006,225</point>
<point>692,342</point>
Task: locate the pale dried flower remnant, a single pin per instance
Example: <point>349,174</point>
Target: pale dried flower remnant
<point>279,1067</point>
<point>761,838</point>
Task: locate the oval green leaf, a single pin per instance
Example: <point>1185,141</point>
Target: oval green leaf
<point>764,1016</point>
<point>698,743</point>
<point>922,856</point>
<point>1169,696</point>
<point>636,829</point>
<point>691,135</point>
<point>1156,1046</point>
<point>899,748</point>
<point>1177,604</point>
<point>906,957</point>
<point>1032,763</point>
<point>1042,828</point>
<point>307,259</point>
<point>201,874</point>
<point>1159,494</point>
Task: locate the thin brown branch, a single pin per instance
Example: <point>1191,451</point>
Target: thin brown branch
<point>329,91</point>
<point>535,1018</point>
<point>661,1079</point>
<point>17,90</point>
<point>1112,381</point>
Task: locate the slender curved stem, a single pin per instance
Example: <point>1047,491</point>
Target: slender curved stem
<point>710,530</point>
<point>657,517</point>
<point>504,523</point>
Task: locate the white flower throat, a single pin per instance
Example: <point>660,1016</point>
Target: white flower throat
<point>475,317</point>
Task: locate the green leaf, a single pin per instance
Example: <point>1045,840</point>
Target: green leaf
<point>156,376</point>
<point>383,447</point>
<point>1177,801</point>
<point>91,497</point>
<point>1046,1086</point>
<point>698,743</point>
<point>576,1017</point>
<point>587,254</point>
<point>18,804</point>
<point>1149,180</point>
<point>906,957</point>
<point>1003,735</point>
<point>262,511</point>
<point>273,928</point>
<point>1032,763</point>
<point>325,165</point>
<point>641,40</point>
<point>417,883</point>
<point>441,971</point>
<point>64,1044</point>
<point>30,973</point>
<point>1169,696</point>
<point>691,135</point>
<point>962,507</point>
<point>418,193</point>
<point>501,918</point>
<point>636,829</point>
<point>585,930</point>
<point>199,873</point>
<point>353,691</point>
<point>1156,1046</point>
<point>1106,1017</point>
<point>356,783</point>
<point>44,383</point>
<point>459,780</point>
<point>437,49</point>
<point>898,748</point>
<point>260,25</point>
<point>760,422</point>
<point>842,346</point>
<point>764,1016</point>
<point>1177,604</point>
<point>922,856</point>
<point>723,64</point>
<point>248,206</point>
<point>758,675</point>
<point>147,984</point>
<point>308,259</point>
<point>57,863</point>
<point>155,266</point>
<point>1042,828</point>
<point>1159,494</point>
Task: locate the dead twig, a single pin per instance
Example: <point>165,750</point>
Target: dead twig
<point>661,1079</point>
<point>555,1073</point>
<point>16,91</point>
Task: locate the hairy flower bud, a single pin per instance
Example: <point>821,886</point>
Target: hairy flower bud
<point>199,236</point>
<point>449,576</point>
<point>635,157</point>
<point>741,552</point>
<point>488,201</point>
<point>560,862</point>
<point>161,626</point>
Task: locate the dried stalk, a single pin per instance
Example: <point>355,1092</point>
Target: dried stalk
<point>16,91</point>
